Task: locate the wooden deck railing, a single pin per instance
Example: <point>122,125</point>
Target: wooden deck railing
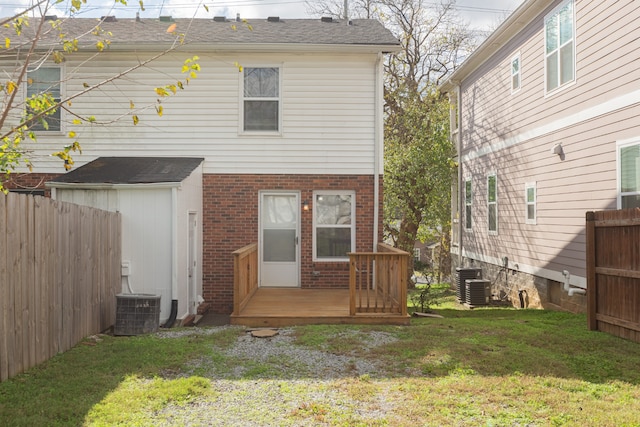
<point>245,275</point>
<point>378,281</point>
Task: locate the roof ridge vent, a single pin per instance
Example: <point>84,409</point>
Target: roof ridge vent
<point>219,19</point>
<point>273,19</point>
<point>108,18</point>
<point>51,17</point>
<point>166,18</point>
<point>326,19</point>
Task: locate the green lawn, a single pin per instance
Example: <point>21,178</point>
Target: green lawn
<point>489,367</point>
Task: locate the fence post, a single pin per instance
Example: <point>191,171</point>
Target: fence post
<point>592,285</point>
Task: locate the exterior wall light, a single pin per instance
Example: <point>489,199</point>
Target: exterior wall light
<point>557,149</point>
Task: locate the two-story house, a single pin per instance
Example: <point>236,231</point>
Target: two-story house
<point>282,129</point>
<point>546,120</point>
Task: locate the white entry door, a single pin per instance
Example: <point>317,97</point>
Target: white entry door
<point>278,240</point>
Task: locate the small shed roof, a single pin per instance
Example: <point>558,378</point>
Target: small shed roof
<point>131,170</point>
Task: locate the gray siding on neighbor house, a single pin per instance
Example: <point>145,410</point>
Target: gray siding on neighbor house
<point>513,134</point>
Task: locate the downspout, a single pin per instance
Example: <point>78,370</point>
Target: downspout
<point>174,259</point>
<point>378,147</point>
<point>460,184</point>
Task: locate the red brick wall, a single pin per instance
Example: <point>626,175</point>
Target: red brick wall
<point>29,181</point>
<point>230,221</point>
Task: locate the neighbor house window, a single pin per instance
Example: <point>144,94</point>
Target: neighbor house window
<point>492,202</point>
<point>45,80</point>
<point>416,254</point>
<point>515,73</point>
<point>468,197</point>
<point>334,225</point>
<point>530,202</point>
<point>559,30</point>
<point>629,179</point>
<point>261,99</point>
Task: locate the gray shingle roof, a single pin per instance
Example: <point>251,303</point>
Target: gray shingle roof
<point>131,170</point>
<point>150,32</point>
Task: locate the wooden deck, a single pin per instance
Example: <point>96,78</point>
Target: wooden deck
<point>276,307</point>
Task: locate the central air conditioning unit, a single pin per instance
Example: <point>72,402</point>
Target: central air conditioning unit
<point>478,292</point>
<point>462,275</point>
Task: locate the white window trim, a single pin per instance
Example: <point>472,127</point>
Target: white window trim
<point>493,232</point>
<point>352,225</point>
<point>527,186</point>
<point>416,254</point>
<point>560,87</point>
<point>519,73</point>
<point>62,130</point>
<point>241,130</point>
<point>619,146</point>
<point>470,181</point>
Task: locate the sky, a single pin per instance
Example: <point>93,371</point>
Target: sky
<point>480,14</point>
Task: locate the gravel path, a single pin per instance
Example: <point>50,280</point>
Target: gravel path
<point>290,384</point>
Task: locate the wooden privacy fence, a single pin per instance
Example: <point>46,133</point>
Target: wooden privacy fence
<point>59,274</point>
<point>378,281</point>
<point>245,276</point>
<point>613,272</point>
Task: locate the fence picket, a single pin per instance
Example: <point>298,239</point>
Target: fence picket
<point>4,291</point>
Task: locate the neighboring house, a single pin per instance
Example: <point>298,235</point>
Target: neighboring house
<point>287,115</point>
<point>546,118</point>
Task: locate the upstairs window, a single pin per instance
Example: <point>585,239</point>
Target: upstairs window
<point>46,80</point>
<point>334,225</point>
<point>530,202</point>
<point>629,179</point>
<point>492,203</point>
<point>515,74</point>
<point>261,100</point>
<point>559,30</point>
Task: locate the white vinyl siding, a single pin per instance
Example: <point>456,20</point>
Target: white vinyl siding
<point>46,80</point>
<point>468,205</point>
<point>629,175</point>
<point>492,203</point>
<point>515,73</point>
<point>328,114</point>
<point>530,202</point>
<point>560,62</point>
<point>334,225</point>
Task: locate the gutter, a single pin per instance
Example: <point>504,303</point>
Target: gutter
<point>149,46</point>
<point>111,186</point>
